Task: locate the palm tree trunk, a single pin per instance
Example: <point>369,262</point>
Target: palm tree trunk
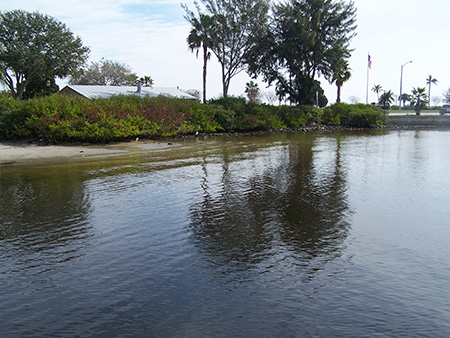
<point>205,61</point>
<point>418,107</point>
<point>338,100</point>
<point>429,92</point>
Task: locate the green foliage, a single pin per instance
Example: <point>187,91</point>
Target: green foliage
<point>235,113</point>
<point>355,115</point>
<point>40,86</point>
<point>419,98</point>
<point>59,118</point>
<point>229,29</point>
<point>386,99</point>
<point>36,45</point>
<point>298,116</point>
<point>306,39</point>
<point>8,106</point>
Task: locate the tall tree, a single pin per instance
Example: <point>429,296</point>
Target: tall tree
<point>341,74</point>
<point>377,89</point>
<point>304,39</point>
<point>252,90</point>
<point>238,24</point>
<point>419,98</point>
<point>36,45</point>
<point>430,81</point>
<point>106,73</point>
<point>200,37</point>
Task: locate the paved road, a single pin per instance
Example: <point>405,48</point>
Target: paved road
<point>412,112</point>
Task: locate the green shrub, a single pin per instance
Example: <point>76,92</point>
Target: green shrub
<point>8,119</point>
<point>235,113</point>
<point>298,116</point>
<point>356,115</point>
<point>59,118</point>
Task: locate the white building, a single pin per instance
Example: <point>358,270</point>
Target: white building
<point>94,92</point>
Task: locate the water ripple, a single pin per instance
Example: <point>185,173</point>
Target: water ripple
<point>287,235</point>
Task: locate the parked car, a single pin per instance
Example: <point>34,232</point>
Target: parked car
<point>445,109</point>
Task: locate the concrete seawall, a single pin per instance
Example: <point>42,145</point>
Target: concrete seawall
<point>422,120</point>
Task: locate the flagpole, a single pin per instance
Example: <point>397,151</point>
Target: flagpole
<point>367,87</point>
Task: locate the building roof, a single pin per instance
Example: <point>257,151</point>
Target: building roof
<point>93,92</point>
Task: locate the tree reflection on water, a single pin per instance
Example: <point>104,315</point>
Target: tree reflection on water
<point>282,209</point>
<point>44,210</point>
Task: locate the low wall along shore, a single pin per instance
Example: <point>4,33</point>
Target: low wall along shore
<point>421,120</point>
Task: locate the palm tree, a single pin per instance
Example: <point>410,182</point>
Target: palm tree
<point>377,89</point>
<point>147,81</point>
<point>200,38</point>
<point>430,81</point>
<point>419,97</point>
<point>405,98</point>
<point>341,74</point>
<point>252,90</point>
<point>386,99</point>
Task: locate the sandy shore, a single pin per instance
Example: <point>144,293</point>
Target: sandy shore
<point>21,152</point>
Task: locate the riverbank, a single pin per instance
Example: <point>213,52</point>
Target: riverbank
<point>28,151</point>
<point>22,151</point>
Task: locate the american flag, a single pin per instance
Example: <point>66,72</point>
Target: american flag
<point>369,63</point>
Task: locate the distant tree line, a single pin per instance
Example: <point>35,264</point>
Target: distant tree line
<point>418,99</point>
<point>108,73</point>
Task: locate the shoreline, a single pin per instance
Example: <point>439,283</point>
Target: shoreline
<point>15,152</point>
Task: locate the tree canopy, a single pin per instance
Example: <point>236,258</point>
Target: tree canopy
<point>386,99</point>
<point>106,73</point>
<point>36,45</point>
<point>377,89</point>
<point>236,26</point>
<point>304,41</point>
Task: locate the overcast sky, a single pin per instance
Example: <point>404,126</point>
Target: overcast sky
<point>150,36</point>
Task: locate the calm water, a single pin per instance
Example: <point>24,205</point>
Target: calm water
<point>304,235</point>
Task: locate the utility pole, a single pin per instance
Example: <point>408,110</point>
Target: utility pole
<point>401,79</point>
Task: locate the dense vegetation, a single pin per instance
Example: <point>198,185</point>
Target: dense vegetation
<point>59,118</point>
<point>35,49</point>
<point>290,44</point>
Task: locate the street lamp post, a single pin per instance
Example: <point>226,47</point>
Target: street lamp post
<point>401,79</point>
